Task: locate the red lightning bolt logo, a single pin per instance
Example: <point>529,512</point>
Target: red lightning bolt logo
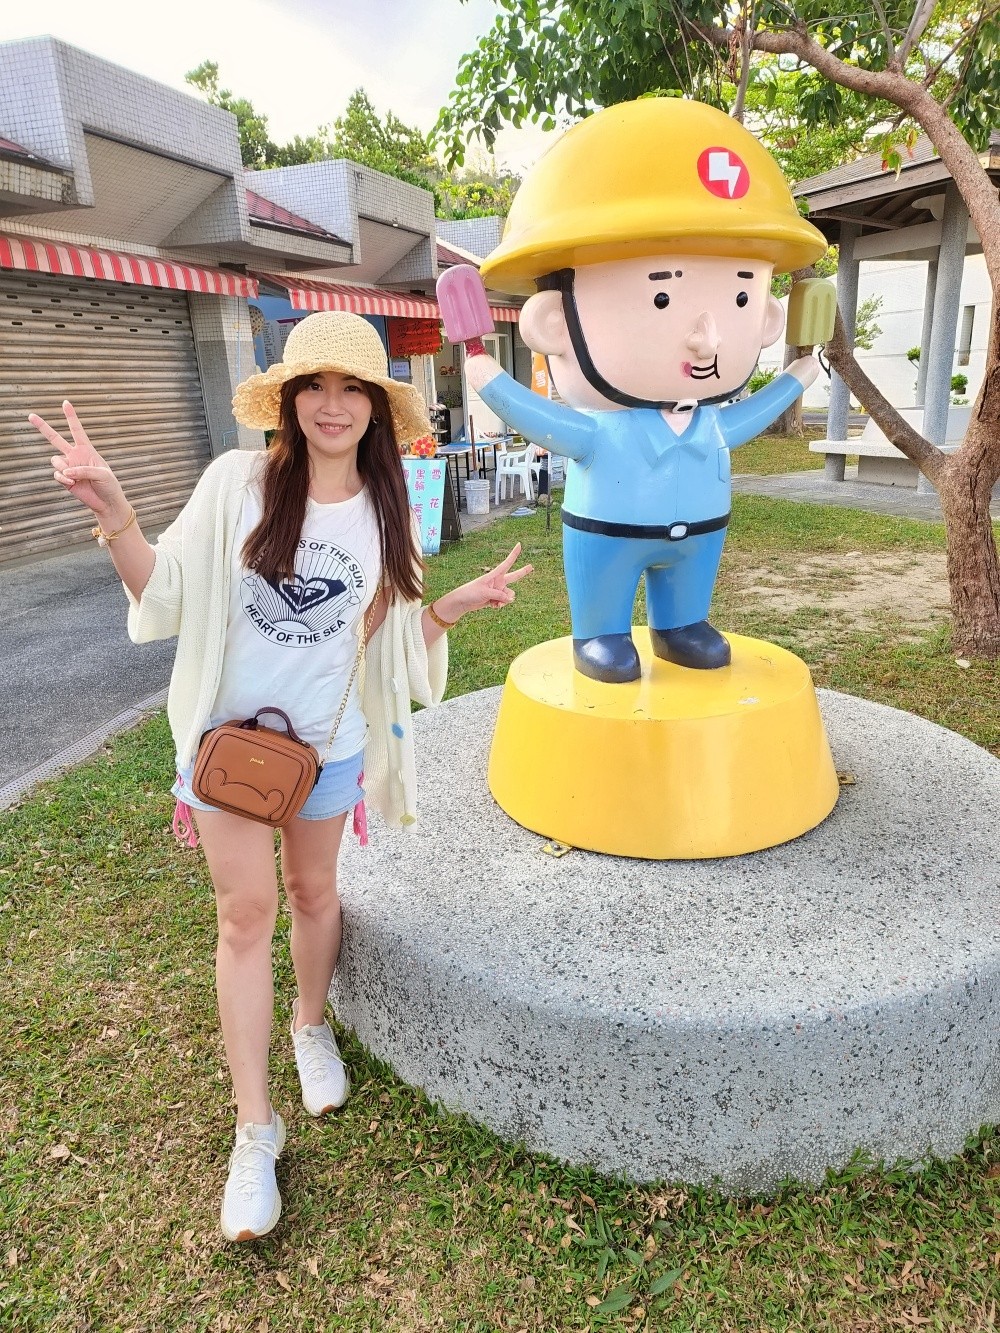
<point>723,173</point>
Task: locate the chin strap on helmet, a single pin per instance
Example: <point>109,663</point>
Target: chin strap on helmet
<point>562,281</point>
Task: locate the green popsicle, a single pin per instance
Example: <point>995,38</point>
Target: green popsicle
<point>812,309</point>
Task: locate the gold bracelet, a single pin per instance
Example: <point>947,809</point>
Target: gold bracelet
<point>444,624</point>
<point>104,537</point>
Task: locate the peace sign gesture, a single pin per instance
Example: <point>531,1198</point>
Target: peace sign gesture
<point>81,469</point>
<point>495,588</point>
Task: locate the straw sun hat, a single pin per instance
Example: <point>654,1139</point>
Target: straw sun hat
<point>331,340</point>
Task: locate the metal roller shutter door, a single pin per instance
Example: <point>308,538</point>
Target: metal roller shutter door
<point>125,357</point>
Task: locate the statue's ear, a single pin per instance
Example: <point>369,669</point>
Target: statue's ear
<point>543,326</point>
<point>774,322</point>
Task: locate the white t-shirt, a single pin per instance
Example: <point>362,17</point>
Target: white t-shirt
<point>292,644</point>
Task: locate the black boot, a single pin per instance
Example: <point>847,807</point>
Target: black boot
<point>608,657</point>
<point>698,646</point>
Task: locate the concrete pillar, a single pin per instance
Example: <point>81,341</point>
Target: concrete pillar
<point>224,343</point>
<point>840,396</point>
<point>940,353</point>
<point>925,331</point>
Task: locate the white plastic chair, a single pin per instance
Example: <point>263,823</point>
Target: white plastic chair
<point>514,465</point>
<point>557,469</point>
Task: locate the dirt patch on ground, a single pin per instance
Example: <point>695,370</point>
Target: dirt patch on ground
<point>859,587</point>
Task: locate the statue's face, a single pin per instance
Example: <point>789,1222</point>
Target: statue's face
<point>666,328</point>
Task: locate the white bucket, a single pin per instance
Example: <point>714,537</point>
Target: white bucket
<point>477,495</point>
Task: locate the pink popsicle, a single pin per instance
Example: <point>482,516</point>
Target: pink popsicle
<point>464,308</point>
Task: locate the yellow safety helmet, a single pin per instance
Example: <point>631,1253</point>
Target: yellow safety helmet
<point>643,177</point>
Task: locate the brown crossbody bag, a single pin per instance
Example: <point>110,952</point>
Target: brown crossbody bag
<point>262,773</point>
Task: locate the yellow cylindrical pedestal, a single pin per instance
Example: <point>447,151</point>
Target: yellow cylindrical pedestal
<point>679,764</point>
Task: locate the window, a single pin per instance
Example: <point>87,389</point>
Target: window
<point>965,337</point>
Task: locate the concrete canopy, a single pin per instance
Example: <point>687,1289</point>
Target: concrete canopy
<point>880,203</point>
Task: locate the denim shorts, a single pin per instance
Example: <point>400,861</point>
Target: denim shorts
<point>338,790</point>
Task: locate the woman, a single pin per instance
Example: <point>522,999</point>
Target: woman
<point>275,567</point>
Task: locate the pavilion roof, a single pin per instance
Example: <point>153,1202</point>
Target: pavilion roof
<point>874,196</point>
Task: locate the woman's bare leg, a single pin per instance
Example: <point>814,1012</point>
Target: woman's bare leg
<point>240,855</point>
<point>309,851</point>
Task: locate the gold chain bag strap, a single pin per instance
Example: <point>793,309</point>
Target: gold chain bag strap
<point>262,773</point>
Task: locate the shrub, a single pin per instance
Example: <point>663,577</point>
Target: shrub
<point>759,378</point>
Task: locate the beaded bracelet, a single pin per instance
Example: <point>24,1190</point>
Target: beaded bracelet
<point>104,537</point>
<point>444,624</point>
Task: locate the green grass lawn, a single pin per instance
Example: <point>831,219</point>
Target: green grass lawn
<point>115,1115</point>
<point>769,454</point>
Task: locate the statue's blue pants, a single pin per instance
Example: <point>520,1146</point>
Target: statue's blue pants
<point>603,573</point>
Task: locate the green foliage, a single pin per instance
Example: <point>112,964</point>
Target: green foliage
<point>359,134</point>
<point>959,383</point>
<point>476,194</point>
<point>548,60</point>
<point>552,61</point>
<point>913,355</point>
<point>866,326</point>
<point>773,101</point>
<point>257,149</point>
<point>826,267</point>
<point>760,378</point>
<point>389,145</point>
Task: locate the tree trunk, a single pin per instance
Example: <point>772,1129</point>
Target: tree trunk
<point>973,559</point>
<point>973,576</point>
<point>790,421</point>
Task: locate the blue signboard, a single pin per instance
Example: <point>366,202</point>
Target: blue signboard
<point>425,487</point>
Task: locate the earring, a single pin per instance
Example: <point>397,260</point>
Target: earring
<point>375,421</point>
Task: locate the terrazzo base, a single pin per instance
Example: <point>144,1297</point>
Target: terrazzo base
<point>735,1022</point>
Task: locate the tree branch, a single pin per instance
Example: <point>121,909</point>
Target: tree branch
<point>744,30</point>
<point>884,23</point>
<point>919,21</point>
<point>678,18</point>
<point>931,461</point>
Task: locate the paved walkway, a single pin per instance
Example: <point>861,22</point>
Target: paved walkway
<point>70,677</point>
<point>811,488</point>
<point>68,668</point>
<point>851,493</point>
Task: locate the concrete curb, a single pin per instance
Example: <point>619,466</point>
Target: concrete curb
<point>80,750</point>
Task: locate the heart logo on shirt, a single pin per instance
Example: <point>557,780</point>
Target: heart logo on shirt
<point>302,594</point>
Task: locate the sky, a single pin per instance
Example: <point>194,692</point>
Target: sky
<point>298,61</point>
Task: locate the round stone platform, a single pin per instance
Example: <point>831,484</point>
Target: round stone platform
<point>737,1021</point>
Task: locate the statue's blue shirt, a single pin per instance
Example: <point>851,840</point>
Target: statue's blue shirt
<point>630,465</point>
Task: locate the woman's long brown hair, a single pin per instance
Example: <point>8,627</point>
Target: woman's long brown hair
<point>270,548</point>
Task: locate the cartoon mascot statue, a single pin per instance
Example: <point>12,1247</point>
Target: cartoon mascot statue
<point>646,238</point>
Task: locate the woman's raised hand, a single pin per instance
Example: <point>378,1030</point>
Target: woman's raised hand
<point>81,469</point>
<point>494,588</point>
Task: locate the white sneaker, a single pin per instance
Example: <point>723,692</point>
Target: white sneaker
<point>322,1072</point>
<point>251,1204</point>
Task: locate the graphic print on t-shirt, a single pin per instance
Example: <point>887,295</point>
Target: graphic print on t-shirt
<point>317,602</point>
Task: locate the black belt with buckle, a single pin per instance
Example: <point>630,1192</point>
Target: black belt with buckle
<point>671,532</point>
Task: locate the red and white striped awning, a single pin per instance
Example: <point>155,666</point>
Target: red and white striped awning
<point>310,294</point>
<point>35,255</point>
<point>506,314</point>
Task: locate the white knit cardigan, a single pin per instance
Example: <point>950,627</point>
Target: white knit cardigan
<point>188,595</point>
